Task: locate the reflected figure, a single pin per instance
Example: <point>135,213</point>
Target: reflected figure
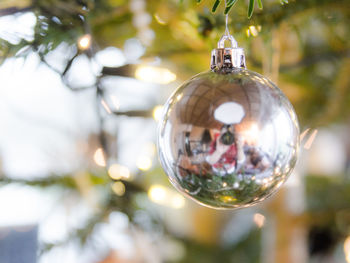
<point>225,151</point>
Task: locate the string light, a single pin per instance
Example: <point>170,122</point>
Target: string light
<point>118,188</point>
<point>117,172</point>
<point>259,220</point>
<point>164,196</point>
<point>253,31</point>
<point>144,163</point>
<point>154,74</point>
<point>84,42</point>
<point>99,157</point>
<point>157,112</point>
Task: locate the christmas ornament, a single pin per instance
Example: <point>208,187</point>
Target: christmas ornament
<point>228,137</point>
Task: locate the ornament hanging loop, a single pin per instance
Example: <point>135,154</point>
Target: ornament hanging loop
<point>227,36</point>
<point>227,57</point>
<point>230,38</point>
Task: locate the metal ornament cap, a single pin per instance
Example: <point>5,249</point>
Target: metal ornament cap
<point>229,57</point>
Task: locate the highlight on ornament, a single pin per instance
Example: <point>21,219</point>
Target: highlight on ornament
<point>228,137</point>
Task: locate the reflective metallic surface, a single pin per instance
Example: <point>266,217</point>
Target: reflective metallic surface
<point>228,139</point>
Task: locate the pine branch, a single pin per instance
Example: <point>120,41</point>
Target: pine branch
<point>14,10</point>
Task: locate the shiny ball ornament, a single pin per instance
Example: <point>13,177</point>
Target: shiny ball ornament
<point>228,137</point>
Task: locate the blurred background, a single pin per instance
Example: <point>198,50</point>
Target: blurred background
<point>81,88</point>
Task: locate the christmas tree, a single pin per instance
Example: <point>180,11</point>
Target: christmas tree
<point>82,85</point>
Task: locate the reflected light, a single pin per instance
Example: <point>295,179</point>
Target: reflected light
<point>99,158</point>
<point>117,171</point>
<point>164,196</point>
<point>311,139</point>
<point>144,163</point>
<point>178,97</point>
<point>229,113</point>
<point>118,188</point>
<point>157,112</point>
<point>105,106</point>
<point>84,42</point>
<point>251,134</point>
<point>154,74</point>
<point>259,220</point>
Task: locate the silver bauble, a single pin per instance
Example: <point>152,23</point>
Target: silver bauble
<point>228,137</point>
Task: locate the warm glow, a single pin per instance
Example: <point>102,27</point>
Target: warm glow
<point>84,42</point>
<point>144,163</point>
<point>157,193</point>
<point>259,220</point>
<point>177,201</point>
<point>164,196</point>
<point>228,198</point>
<point>117,171</point>
<point>252,133</point>
<point>118,188</point>
<point>99,157</point>
<point>347,249</point>
<point>157,112</point>
<point>178,97</point>
<point>253,31</point>
<point>154,74</point>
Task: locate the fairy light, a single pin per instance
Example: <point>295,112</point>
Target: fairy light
<point>177,201</point>
<point>144,163</point>
<point>166,197</point>
<point>84,42</point>
<point>259,219</point>
<point>99,157</point>
<point>157,193</point>
<point>117,172</point>
<point>157,112</point>
<point>118,188</point>
<point>154,74</point>
<point>253,30</point>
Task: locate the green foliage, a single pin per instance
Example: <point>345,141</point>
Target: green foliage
<point>215,190</point>
<point>230,3</point>
<point>247,251</point>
